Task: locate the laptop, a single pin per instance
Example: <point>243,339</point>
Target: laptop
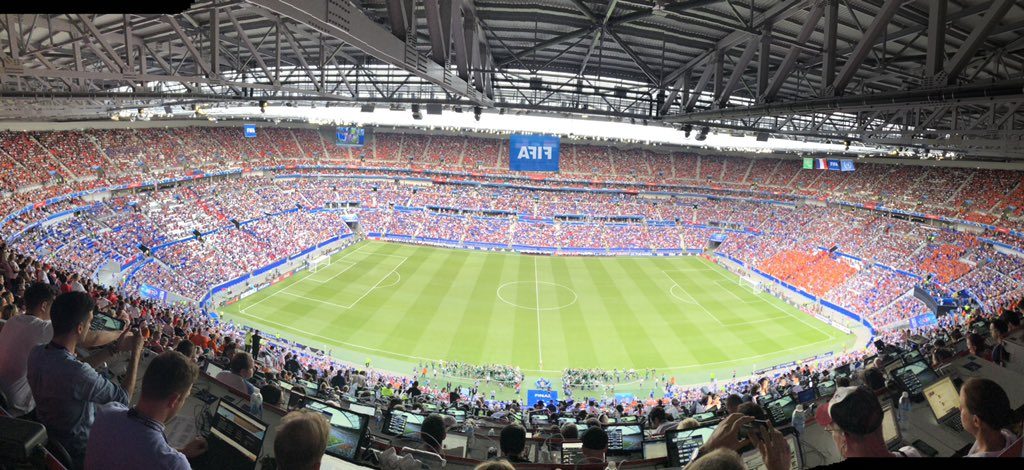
<point>944,401</point>
<point>362,409</point>
<point>625,438</point>
<point>912,356</point>
<point>682,445</point>
<point>914,377</point>
<point>347,432</point>
<point>780,411</point>
<point>654,450</point>
<point>235,441</point>
<point>455,441</point>
<point>571,452</point>
<point>403,423</point>
<point>705,417</point>
<point>826,388</point>
<point>890,430</point>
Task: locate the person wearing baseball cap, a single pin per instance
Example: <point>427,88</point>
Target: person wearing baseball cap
<point>854,419</point>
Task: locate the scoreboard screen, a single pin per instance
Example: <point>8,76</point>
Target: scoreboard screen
<point>350,136</point>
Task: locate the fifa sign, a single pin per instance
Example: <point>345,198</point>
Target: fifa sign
<point>533,152</point>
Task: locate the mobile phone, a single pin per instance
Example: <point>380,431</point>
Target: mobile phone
<point>925,449</point>
<point>758,427</point>
<point>104,322</point>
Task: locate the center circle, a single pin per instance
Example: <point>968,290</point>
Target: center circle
<point>539,295</point>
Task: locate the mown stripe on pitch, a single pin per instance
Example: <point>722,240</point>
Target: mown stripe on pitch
<point>471,331</point>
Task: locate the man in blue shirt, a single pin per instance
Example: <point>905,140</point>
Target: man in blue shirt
<point>65,389</point>
<point>123,438</point>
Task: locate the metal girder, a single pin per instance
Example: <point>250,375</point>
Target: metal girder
<point>709,70</point>
<point>252,50</point>
<point>781,9</point>
<point>979,33</point>
<point>828,70</point>
<point>583,8</point>
<point>439,27</point>
<point>867,42</point>
<point>737,71</point>
<point>936,52</point>
<point>346,22</point>
<point>789,62</point>
<point>633,55</point>
<point>546,44</point>
<point>401,17</point>
<point>952,94</point>
<point>764,60</point>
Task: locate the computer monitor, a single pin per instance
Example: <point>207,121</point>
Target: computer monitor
<point>459,415</point>
<point>806,395</point>
<point>844,369</point>
<point>780,411</point>
<point>456,441</point>
<point>296,400</point>
<point>538,419</point>
<point>890,431</point>
<point>912,356</point>
<point>234,427</point>
<point>564,421</point>
<point>430,407</point>
<point>892,365</point>
<point>826,388</point>
<point>654,449</point>
<point>627,419</point>
<point>914,377</point>
<point>347,432</point>
<point>285,386</point>
<point>570,452</point>
<point>362,409</point>
<point>682,445</point>
<point>625,438</point>
<point>753,457</point>
<point>403,423</point>
<point>213,369</point>
<point>942,397</point>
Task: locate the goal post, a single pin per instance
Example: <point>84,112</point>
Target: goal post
<point>318,263</point>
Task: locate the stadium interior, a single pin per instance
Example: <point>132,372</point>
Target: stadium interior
<point>483,234</point>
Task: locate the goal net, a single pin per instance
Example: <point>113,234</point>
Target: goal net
<point>318,263</point>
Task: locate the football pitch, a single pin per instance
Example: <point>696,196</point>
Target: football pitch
<point>397,305</point>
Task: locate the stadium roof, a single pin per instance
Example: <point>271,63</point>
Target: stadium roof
<point>925,74</point>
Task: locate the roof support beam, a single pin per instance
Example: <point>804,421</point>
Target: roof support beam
<point>439,27</point>
<point>936,53</point>
<point>867,42</point>
<point>633,55</point>
<point>789,61</point>
<point>764,60</point>
<point>347,22</point>
<point>252,50</point>
<point>702,82</point>
<point>829,53</point>
<point>780,10</point>
<point>737,72</point>
<point>400,17</point>
<point>963,56</point>
<point>546,44</point>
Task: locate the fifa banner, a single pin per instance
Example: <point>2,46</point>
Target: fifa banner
<point>533,152</point>
<point>249,130</point>
<point>152,293</point>
<point>534,396</point>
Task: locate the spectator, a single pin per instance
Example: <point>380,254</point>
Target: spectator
<point>240,370</point>
<point>657,421</point>
<point>718,459</point>
<point>854,418</point>
<point>187,348</point>
<point>976,345</point>
<point>256,344</point>
<point>433,433</point>
<point>414,390</point>
<point>986,413</point>
<point>874,379</point>
<point>999,329</point>
<point>732,403</point>
<point>494,465</point>
<point>570,432</point>
<point>513,444</point>
<point>272,394</point>
<point>123,438</point>
<point>595,444</point>
<point>19,336</point>
<point>66,390</point>
<point>301,440</point>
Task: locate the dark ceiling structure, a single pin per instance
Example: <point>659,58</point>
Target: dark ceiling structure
<point>925,74</point>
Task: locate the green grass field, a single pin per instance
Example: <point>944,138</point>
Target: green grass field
<point>399,304</point>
